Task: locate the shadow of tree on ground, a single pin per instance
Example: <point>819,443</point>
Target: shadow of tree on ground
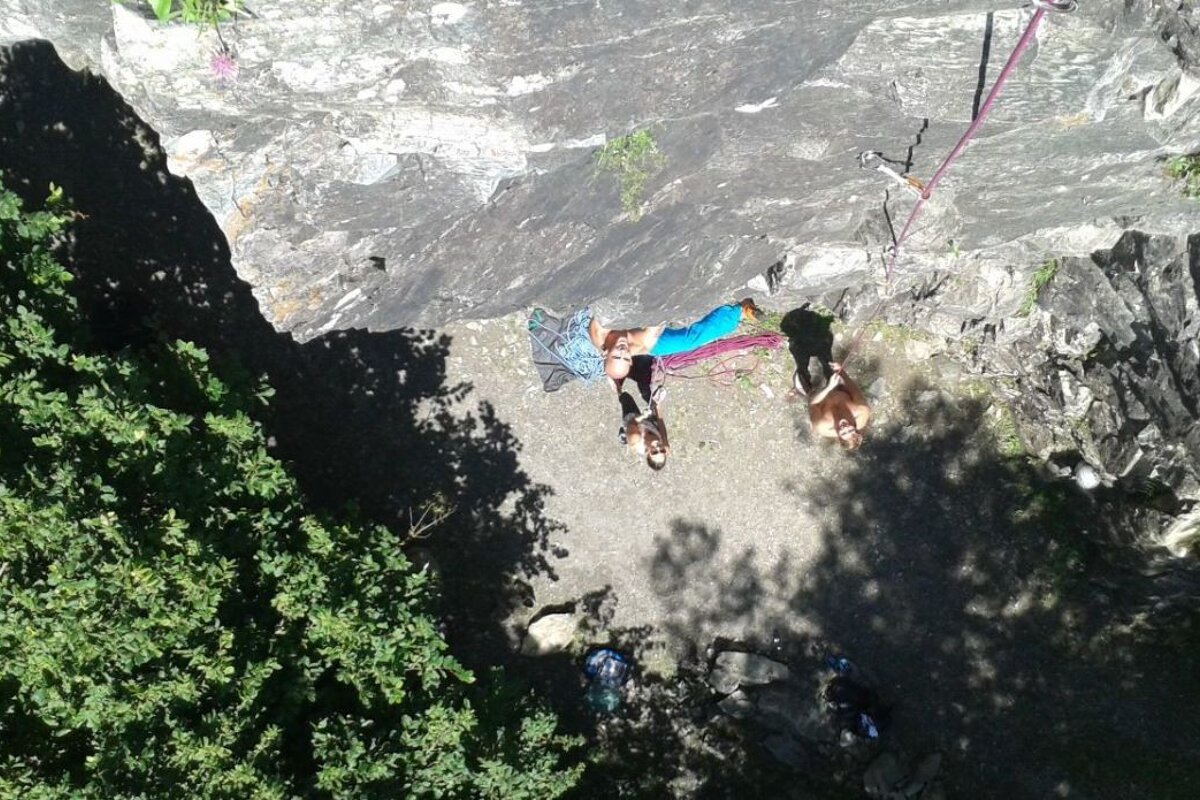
<point>995,607</point>
<point>366,419</point>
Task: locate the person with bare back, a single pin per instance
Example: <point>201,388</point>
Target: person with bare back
<point>838,409</point>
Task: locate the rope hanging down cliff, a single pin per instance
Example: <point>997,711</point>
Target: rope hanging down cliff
<point>926,190</point>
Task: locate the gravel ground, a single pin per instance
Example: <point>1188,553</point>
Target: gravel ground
<point>741,457</point>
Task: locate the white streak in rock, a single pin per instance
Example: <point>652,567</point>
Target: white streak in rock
<point>526,84</point>
<point>570,144</point>
<point>447,13</point>
<point>754,108</point>
<point>443,55</point>
<point>350,297</point>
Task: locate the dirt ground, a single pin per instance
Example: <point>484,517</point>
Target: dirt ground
<point>932,557</point>
<point>739,455</point>
<point>742,459</point>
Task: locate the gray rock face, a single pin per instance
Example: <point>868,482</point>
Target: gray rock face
<point>1103,370</point>
<point>882,775</point>
<point>733,669</point>
<point>1112,369</point>
<point>787,750</point>
<point>1183,535</point>
<point>381,165</point>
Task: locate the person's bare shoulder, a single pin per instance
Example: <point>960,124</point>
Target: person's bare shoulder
<point>641,340</point>
<point>597,332</point>
<point>862,415</point>
<point>650,336</point>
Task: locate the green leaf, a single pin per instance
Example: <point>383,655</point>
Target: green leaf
<point>161,9</point>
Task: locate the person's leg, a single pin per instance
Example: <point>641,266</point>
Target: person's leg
<point>642,374</point>
<point>721,321</point>
<point>816,375</point>
<point>629,410</point>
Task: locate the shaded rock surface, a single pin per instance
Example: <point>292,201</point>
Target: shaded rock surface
<point>1102,366</point>
<point>733,669</point>
<point>1120,378</point>
<point>382,165</point>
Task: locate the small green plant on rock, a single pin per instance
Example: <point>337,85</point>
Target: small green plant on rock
<point>771,321</point>
<point>894,333</point>
<point>194,12</point>
<point>633,159</point>
<point>1005,431</point>
<point>1045,273</point>
<point>1186,171</point>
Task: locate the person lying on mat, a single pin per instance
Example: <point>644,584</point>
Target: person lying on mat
<point>618,346</point>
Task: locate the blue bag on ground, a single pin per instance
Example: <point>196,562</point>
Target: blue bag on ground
<point>607,671</point>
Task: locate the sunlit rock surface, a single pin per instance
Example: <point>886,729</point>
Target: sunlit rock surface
<point>385,164</point>
<point>389,164</point>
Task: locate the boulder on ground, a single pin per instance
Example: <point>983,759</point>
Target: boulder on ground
<point>733,669</point>
<point>787,750</point>
<point>882,775</point>
<point>548,634</point>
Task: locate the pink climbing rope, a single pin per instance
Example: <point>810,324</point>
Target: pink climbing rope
<point>727,350</point>
<point>984,110</point>
<point>1042,7</point>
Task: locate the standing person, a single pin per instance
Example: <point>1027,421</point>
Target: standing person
<point>645,433</point>
<point>618,346</point>
<point>838,410</point>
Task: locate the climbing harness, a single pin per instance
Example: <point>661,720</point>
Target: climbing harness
<point>926,191</point>
<point>573,346</point>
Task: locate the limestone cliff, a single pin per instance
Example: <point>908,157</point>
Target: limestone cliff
<point>383,164</point>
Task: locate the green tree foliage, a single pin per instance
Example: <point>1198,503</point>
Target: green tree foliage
<point>175,622</point>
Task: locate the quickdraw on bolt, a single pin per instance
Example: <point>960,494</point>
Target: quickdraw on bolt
<point>872,159</point>
<point>1061,6</point>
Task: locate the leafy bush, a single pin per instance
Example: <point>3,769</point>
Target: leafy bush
<point>633,158</point>
<point>1186,170</point>
<point>174,620</point>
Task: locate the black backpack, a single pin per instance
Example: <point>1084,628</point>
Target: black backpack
<point>856,708</point>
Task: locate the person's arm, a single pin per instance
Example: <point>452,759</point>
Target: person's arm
<point>862,415</point>
<point>633,436</point>
<point>859,406</point>
<point>856,395</point>
<point>834,382</point>
<point>661,424</point>
<point>642,340</point>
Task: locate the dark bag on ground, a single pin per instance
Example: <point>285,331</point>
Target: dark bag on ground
<point>856,708</point>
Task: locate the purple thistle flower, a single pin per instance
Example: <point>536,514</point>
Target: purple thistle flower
<point>223,66</point>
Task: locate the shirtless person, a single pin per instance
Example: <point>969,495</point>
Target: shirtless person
<point>619,346</point>
<point>839,410</point>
